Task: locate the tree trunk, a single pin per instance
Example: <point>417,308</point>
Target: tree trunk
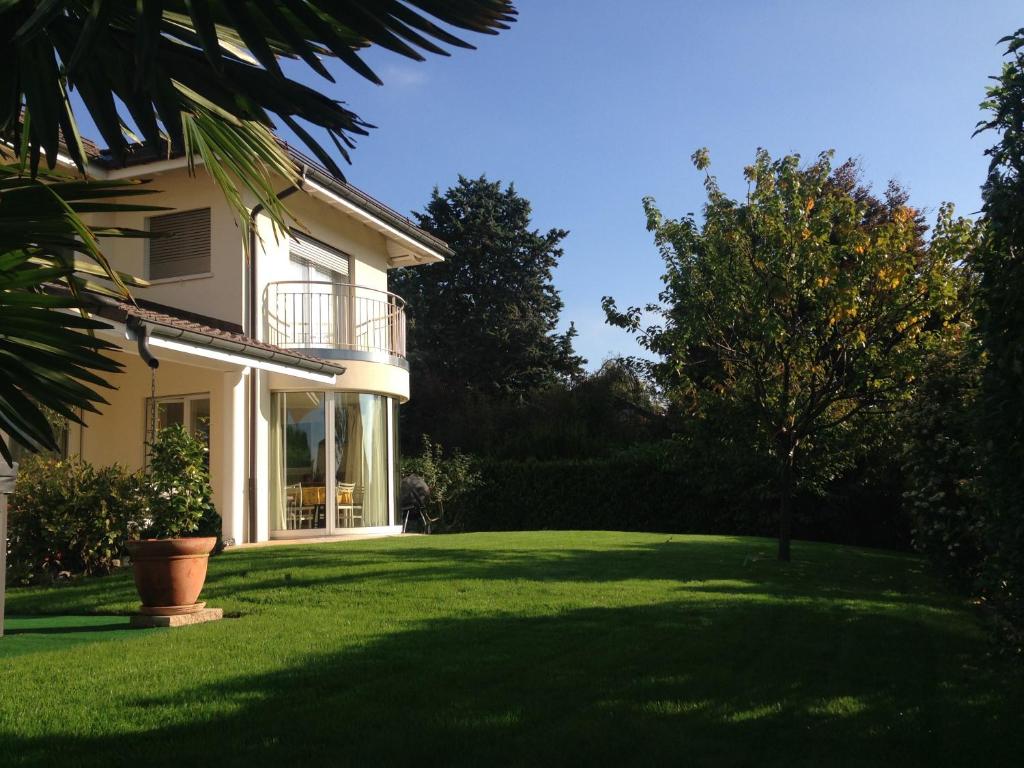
<point>785,501</point>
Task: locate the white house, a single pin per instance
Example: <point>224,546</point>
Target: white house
<point>291,364</point>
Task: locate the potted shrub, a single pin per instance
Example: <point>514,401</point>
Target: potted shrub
<point>176,538</point>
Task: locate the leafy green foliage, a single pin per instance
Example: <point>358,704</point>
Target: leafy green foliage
<point>49,357</point>
<point>178,487</point>
<point>942,463</point>
<point>485,318</point>
<point>666,486</point>
<point>66,516</point>
<point>800,311</point>
<point>448,477</point>
<point>1001,321</point>
<point>595,414</point>
<point>205,78</point>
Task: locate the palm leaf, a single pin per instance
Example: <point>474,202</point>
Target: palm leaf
<point>198,78</point>
<point>172,67</point>
<point>47,355</point>
<point>50,357</point>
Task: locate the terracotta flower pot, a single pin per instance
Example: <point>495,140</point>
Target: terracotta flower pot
<point>169,573</point>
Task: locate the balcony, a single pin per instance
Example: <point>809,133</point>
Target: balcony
<point>336,320</point>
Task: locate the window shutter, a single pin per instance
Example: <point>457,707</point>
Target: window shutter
<point>305,248</point>
<point>183,247</point>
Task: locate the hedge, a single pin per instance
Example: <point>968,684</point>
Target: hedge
<point>644,494</point>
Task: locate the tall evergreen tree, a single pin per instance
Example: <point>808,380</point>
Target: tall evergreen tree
<point>485,318</point>
<point>482,323</point>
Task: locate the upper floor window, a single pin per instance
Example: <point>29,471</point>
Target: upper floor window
<point>182,248</point>
<point>317,261</point>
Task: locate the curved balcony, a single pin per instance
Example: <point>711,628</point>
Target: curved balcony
<point>335,320</point>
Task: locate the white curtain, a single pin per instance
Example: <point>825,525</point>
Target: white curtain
<point>276,490</point>
<point>375,460</point>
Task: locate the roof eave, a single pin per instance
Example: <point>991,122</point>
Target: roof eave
<point>407,244</point>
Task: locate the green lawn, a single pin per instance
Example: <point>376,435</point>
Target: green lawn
<point>519,649</point>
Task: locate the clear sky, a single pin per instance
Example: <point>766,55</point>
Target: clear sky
<point>588,105</point>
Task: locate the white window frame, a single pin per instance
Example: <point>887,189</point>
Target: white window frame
<point>391,470</point>
<point>186,400</point>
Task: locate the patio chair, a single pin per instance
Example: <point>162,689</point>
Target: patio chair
<point>314,500</point>
<point>347,512</point>
<point>292,504</point>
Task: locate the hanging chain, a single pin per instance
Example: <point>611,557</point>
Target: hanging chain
<point>152,400</point>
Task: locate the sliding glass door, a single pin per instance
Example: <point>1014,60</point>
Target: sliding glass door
<point>298,462</point>
<point>332,463</point>
<point>361,448</point>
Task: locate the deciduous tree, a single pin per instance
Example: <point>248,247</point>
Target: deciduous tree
<point>802,308</point>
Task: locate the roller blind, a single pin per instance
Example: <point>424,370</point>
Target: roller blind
<point>183,247</point>
<point>305,248</point>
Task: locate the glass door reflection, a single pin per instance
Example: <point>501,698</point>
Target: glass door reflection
<point>305,461</point>
<point>360,448</point>
<point>330,462</point>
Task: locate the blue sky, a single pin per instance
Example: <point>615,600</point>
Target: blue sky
<point>590,105</point>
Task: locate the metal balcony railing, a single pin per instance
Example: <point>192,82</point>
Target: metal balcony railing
<point>320,315</point>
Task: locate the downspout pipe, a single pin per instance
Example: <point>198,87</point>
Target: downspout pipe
<point>138,331</point>
<point>251,330</point>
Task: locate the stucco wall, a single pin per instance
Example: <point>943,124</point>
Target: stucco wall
<point>222,294</point>
<point>219,295</point>
<point>117,434</point>
<point>359,376</point>
<point>318,219</point>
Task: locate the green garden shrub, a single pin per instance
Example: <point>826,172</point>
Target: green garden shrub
<point>178,488</point>
<point>449,478</point>
<point>67,516</point>
<point>943,468</point>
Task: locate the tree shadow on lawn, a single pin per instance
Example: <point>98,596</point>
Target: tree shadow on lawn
<point>29,635</point>
<point>670,683</point>
<point>727,565</point>
<point>724,564</point>
<point>73,629</point>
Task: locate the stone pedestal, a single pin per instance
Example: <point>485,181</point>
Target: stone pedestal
<point>142,621</point>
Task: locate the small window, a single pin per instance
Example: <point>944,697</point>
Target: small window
<point>181,246</point>
<point>193,411</point>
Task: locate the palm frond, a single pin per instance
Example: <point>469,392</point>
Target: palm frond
<point>50,357</point>
<point>164,59</point>
<point>48,354</point>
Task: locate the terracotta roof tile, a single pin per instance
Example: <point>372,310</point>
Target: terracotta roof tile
<point>172,317</point>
